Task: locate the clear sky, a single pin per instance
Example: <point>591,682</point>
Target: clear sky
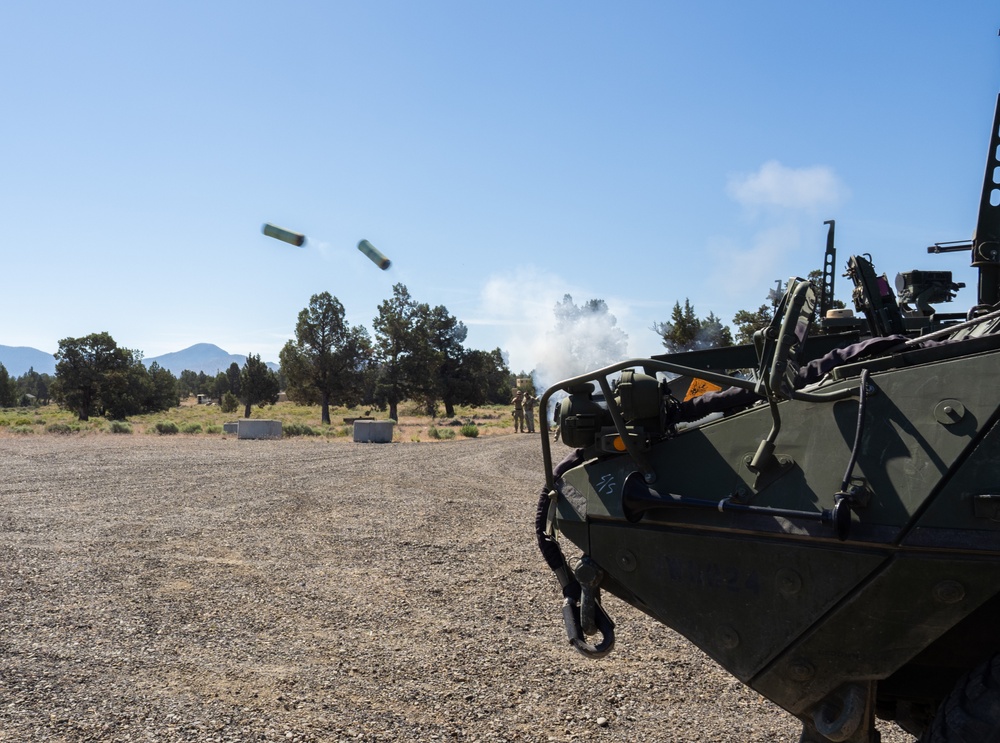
<point>501,154</point>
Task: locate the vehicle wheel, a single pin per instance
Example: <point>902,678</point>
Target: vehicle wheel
<point>971,713</point>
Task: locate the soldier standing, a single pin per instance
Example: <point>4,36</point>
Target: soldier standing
<point>518,403</point>
<point>529,411</point>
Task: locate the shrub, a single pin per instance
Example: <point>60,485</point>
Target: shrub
<point>229,403</point>
<point>191,428</point>
<point>166,427</point>
<point>23,421</point>
<point>22,429</point>
<point>469,430</point>
<point>213,429</point>
<point>440,433</point>
<point>298,429</point>
<point>61,428</point>
<point>120,427</point>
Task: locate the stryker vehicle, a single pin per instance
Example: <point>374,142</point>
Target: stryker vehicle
<point>830,534</point>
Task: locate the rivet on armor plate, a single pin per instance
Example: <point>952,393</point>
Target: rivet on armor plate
<point>801,670</point>
<point>949,592</point>
<point>728,637</point>
<point>949,412</point>
<point>626,561</point>
<point>788,582</point>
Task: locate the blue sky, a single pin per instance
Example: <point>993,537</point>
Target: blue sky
<point>500,154</point>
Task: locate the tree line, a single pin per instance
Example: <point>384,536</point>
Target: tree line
<point>417,353</point>
<point>685,331</point>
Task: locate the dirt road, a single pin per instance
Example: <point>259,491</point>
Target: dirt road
<point>210,589</point>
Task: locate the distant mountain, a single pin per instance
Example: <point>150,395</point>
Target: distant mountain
<point>201,357</point>
<point>19,360</point>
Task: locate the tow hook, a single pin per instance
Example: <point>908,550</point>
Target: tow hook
<point>587,617</point>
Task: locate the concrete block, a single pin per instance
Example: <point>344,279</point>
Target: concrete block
<point>254,428</point>
<point>232,427</point>
<point>374,432</point>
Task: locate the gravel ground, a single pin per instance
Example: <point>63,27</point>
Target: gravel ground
<point>210,589</point>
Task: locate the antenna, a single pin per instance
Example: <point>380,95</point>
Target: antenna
<point>829,259</point>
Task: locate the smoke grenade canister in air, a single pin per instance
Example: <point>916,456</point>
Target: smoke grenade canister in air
<point>374,254</point>
<point>287,236</point>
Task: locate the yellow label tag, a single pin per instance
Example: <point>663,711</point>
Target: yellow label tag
<point>699,387</point>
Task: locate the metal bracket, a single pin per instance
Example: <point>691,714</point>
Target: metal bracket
<point>774,468</point>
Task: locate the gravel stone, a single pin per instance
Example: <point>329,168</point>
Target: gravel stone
<point>191,588</point>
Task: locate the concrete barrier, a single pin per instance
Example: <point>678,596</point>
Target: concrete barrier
<point>373,432</point>
<point>232,427</point>
<point>254,428</point>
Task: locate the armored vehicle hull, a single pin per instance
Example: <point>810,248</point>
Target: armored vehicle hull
<point>832,537</point>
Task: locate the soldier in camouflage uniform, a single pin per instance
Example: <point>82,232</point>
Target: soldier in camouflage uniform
<point>518,403</point>
<point>529,411</point>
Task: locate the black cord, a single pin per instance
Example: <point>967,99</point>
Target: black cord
<point>547,544</point>
<point>858,432</point>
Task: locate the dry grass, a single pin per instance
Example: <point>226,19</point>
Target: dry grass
<point>191,419</point>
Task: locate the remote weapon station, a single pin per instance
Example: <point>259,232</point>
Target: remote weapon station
<point>827,526</point>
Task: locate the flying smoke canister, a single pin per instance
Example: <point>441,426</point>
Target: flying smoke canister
<point>373,253</point>
<point>285,235</point>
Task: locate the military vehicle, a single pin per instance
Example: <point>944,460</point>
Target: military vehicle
<point>825,525</point>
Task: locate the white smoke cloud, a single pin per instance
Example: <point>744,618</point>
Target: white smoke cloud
<point>775,185</point>
<point>583,338</point>
<point>524,303</point>
<point>520,303</point>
